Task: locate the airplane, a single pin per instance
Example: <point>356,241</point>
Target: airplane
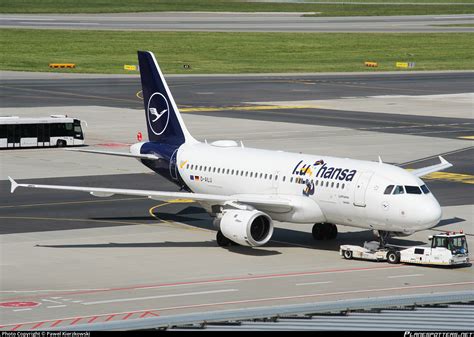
<point>246,189</point>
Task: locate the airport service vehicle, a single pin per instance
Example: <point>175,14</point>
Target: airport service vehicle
<point>56,130</point>
<point>447,249</point>
<point>247,189</point>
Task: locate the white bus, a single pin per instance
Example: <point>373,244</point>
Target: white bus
<point>56,130</point>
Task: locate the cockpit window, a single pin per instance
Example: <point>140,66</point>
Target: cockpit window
<point>398,190</point>
<point>425,189</point>
<point>388,190</point>
<point>413,189</point>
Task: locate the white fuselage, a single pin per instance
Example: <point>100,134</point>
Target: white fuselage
<point>334,190</point>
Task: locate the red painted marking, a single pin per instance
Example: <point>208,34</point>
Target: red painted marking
<point>110,317</point>
<point>242,278</point>
<point>37,325</point>
<point>153,314</point>
<point>92,319</point>
<point>144,314</point>
<point>76,320</point>
<point>17,327</point>
<point>18,304</point>
<point>127,316</point>
<point>56,323</point>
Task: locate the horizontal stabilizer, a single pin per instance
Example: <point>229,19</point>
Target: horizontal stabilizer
<point>120,154</point>
<point>443,165</point>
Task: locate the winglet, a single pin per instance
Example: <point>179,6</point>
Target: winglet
<point>444,161</point>
<point>14,184</point>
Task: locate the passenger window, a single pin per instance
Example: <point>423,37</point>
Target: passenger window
<point>332,184</point>
<point>232,172</point>
<point>337,186</point>
<point>291,179</point>
<point>270,177</point>
<point>343,185</point>
<point>284,178</point>
<point>327,183</point>
<point>388,190</point>
<point>425,189</point>
<point>187,166</point>
<point>200,168</point>
<point>241,173</point>
<point>413,190</point>
<point>266,176</point>
<point>398,190</point>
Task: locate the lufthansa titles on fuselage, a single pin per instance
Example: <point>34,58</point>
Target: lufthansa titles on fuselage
<point>323,170</point>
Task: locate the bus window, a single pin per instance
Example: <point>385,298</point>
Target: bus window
<point>3,131</point>
<point>78,130</point>
<point>29,131</point>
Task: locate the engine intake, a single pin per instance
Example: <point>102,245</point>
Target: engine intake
<point>246,227</point>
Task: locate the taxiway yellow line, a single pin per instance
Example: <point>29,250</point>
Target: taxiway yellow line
<point>467,137</point>
<point>174,223</point>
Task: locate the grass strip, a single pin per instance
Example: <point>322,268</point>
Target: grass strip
<point>109,51</point>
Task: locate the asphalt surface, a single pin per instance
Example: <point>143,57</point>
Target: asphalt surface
<point>238,22</point>
<point>229,92</point>
<point>69,258</point>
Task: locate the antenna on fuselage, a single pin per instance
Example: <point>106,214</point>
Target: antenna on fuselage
<point>380,160</point>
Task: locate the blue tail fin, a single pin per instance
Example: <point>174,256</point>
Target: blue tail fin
<point>164,122</point>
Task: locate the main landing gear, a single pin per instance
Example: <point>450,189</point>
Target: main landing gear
<point>324,231</point>
<point>383,237</point>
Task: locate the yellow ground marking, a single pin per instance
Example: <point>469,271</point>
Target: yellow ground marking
<point>72,202</point>
<point>448,176</point>
<point>467,137</point>
<point>247,108</point>
<point>455,177</point>
<point>180,201</point>
<point>174,223</point>
<point>139,94</point>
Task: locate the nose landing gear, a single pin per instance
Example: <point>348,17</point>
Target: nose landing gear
<point>383,237</point>
<point>324,231</point>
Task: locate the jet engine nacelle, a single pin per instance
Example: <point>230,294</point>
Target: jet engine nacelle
<point>246,227</point>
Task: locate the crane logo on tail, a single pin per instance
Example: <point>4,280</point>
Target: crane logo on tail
<point>158,113</point>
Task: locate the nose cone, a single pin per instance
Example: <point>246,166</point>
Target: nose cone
<point>430,214</point>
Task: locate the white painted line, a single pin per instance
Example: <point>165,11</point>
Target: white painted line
<point>22,309</point>
<point>160,296</point>
<point>56,306</point>
<point>313,283</point>
<point>399,276</point>
<point>51,290</point>
<point>45,300</point>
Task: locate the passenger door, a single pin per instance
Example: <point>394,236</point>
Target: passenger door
<point>361,188</point>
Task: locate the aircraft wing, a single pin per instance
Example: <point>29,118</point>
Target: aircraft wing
<point>444,164</point>
<point>120,154</point>
<point>254,200</point>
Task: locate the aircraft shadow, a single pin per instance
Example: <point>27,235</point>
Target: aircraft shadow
<point>171,244</point>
